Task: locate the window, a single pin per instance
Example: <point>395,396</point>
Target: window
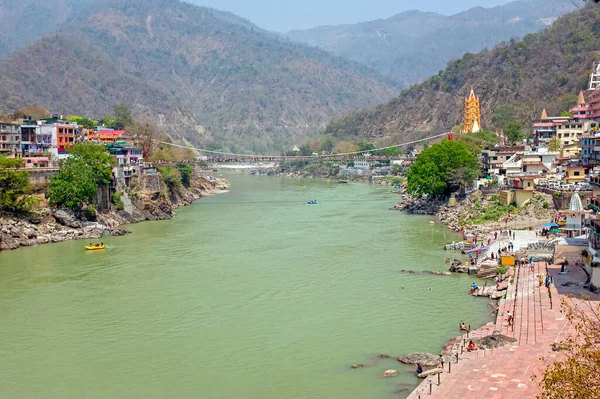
<point>560,136</point>
<point>576,173</point>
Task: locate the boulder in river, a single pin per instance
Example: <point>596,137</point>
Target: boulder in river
<point>426,359</point>
<point>438,273</point>
<point>390,373</point>
<point>358,366</point>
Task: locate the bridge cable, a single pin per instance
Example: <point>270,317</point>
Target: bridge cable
<point>294,156</point>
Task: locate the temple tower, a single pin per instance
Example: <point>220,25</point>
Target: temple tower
<point>472,114</point>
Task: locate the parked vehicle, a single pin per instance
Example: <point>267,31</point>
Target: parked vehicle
<point>553,184</point>
<point>567,187</point>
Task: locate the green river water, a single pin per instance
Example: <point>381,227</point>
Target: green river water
<point>250,294</point>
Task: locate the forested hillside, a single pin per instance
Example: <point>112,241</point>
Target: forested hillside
<point>206,76</point>
<point>413,45</point>
<point>544,70</point>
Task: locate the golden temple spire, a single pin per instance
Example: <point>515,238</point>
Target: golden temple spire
<point>472,113</point>
<point>581,99</point>
<point>544,115</point>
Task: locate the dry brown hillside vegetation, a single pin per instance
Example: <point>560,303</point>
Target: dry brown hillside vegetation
<point>208,78</point>
<point>544,70</point>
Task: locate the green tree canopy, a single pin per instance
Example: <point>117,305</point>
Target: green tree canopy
<point>83,121</point>
<point>390,152</point>
<point>327,144</point>
<point>15,187</point>
<point>122,117</point>
<point>77,181</point>
<point>186,173</point>
<point>431,171</point>
<point>476,142</point>
<point>503,115</point>
<point>555,145</point>
<point>305,150</point>
<point>514,133</point>
<point>369,148</point>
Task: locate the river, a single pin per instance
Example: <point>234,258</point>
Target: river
<point>249,294</point>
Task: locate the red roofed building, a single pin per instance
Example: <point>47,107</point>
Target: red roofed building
<point>105,136</point>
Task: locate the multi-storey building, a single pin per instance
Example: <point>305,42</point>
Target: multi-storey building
<point>28,137</point>
<point>10,138</point>
<point>494,158</point>
<point>570,133</point>
<point>65,135</point>
<point>128,161</point>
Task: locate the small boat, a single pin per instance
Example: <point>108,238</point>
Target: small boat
<point>312,202</point>
<point>342,181</point>
<point>94,247</point>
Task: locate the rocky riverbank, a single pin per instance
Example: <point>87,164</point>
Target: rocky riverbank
<point>147,198</point>
<point>480,214</point>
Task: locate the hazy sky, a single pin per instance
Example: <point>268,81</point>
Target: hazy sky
<point>285,15</point>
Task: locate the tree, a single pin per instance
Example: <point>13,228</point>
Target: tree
<point>503,115</point>
<point>122,117</point>
<point>305,150</point>
<point>327,144</point>
<point>83,121</point>
<point>144,134</point>
<point>462,178</point>
<point>514,133</point>
<point>171,177</point>
<point>476,142</point>
<point>555,145</point>
<point>430,171</point>
<point>575,374</point>
<point>345,147</point>
<point>390,152</point>
<point>15,188</point>
<point>87,167</point>
<point>457,129</point>
<point>186,173</point>
<point>366,148</point>
<point>34,111</point>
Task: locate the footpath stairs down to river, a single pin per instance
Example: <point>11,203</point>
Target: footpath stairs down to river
<point>504,372</point>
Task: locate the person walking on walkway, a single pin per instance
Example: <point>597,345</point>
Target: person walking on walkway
<point>510,318</point>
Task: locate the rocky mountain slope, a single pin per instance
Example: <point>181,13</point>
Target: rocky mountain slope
<point>207,77</point>
<point>544,70</point>
<point>413,45</point>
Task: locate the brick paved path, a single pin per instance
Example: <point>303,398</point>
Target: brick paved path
<point>506,372</point>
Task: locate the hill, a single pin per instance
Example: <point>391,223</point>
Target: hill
<point>413,45</point>
<point>544,70</point>
<point>209,77</point>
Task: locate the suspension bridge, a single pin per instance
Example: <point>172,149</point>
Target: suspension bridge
<point>219,157</point>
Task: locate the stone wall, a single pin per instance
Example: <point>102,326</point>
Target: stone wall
<point>41,176</point>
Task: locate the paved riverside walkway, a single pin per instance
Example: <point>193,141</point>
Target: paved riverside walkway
<point>506,372</point>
